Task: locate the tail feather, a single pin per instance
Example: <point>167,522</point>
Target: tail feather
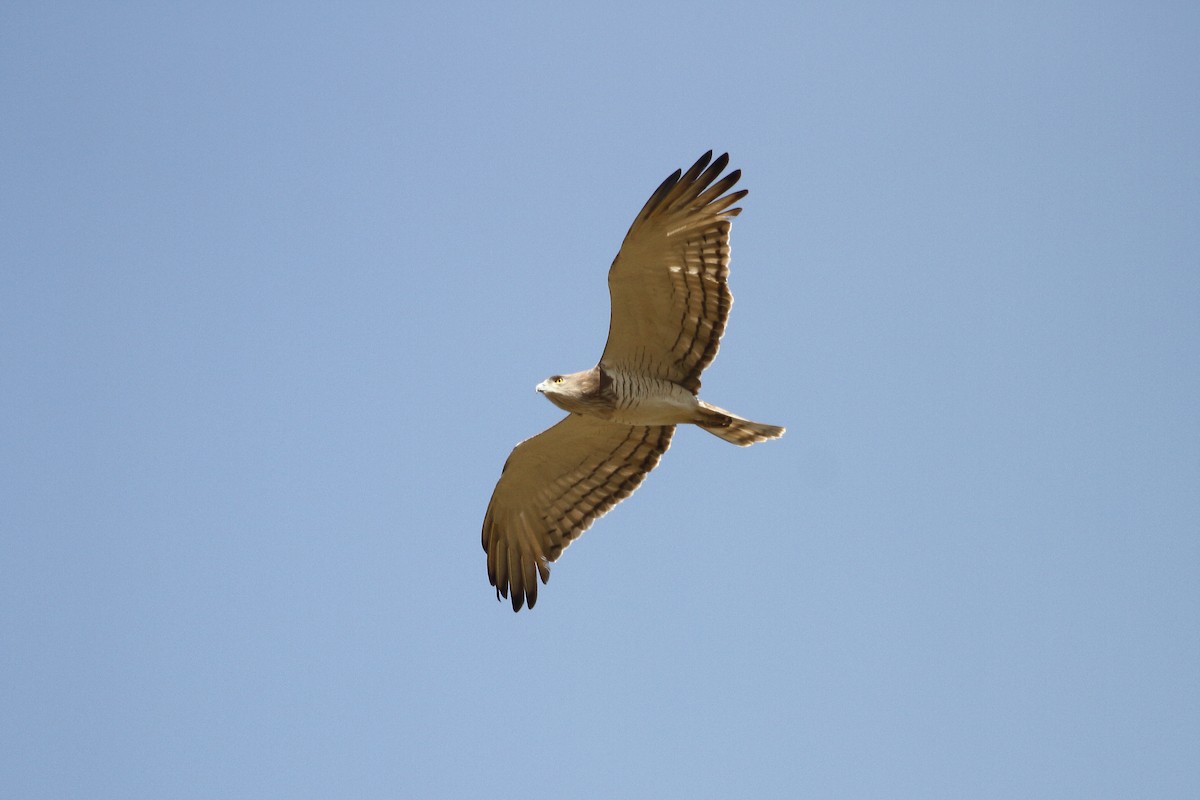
<point>733,428</point>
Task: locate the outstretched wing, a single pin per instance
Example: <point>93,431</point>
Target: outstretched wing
<point>668,283</point>
<point>553,487</point>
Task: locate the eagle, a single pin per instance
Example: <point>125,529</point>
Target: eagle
<point>669,304</point>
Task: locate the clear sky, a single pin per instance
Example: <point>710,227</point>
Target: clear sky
<point>276,285</point>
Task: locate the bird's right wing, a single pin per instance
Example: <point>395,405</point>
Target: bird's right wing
<point>553,487</point>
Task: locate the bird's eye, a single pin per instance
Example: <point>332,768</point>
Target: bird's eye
<point>558,379</point>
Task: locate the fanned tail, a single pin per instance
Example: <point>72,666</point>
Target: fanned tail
<point>733,428</point>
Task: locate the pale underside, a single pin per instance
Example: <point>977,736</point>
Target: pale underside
<point>669,305</point>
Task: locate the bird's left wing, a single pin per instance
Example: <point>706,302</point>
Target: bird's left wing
<point>553,487</point>
<point>670,299</point>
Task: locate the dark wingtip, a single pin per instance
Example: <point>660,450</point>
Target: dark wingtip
<point>697,168</point>
<point>657,197</point>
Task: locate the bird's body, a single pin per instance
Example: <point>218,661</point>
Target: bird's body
<point>670,303</point>
<point>622,397</point>
<point>652,401</point>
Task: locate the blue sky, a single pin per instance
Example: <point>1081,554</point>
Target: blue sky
<point>276,285</point>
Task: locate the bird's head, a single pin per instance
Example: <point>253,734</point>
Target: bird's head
<point>567,391</point>
<point>555,387</point>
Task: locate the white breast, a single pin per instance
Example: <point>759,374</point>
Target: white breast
<point>641,400</point>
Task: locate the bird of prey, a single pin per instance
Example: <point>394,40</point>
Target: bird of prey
<point>670,301</point>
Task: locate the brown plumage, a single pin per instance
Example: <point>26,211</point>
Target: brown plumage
<point>670,303</point>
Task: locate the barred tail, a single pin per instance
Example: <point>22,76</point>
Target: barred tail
<point>733,428</point>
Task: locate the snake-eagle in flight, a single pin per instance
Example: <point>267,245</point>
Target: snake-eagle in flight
<point>669,305</point>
